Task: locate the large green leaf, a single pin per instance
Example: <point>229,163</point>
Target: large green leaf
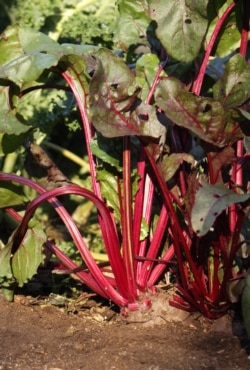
<point>181,26</point>
<point>132,23</point>
<point>210,201</point>
<point>25,54</point>
<point>233,88</point>
<point>115,108</point>
<point>205,117</point>
<point>28,256</point>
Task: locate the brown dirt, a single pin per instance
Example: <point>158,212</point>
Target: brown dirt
<point>35,334</point>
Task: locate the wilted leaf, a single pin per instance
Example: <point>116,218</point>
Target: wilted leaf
<point>181,26</point>
<point>233,89</point>
<point>210,201</point>
<point>28,256</point>
<point>205,117</point>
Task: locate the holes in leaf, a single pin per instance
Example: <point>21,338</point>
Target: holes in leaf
<point>188,21</point>
<point>216,196</point>
<point>207,108</point>
<point>114,86</point>
<point>201,219</point>
<point>143,117</point>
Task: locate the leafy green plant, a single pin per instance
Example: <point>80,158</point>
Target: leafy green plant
<point>86,21</point>
<point>164,123</point>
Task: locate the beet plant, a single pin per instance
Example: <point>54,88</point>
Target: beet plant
<point>165,126</point>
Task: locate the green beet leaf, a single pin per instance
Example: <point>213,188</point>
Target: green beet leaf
<point>108,151</point>
<point>181,26</point>
<point>132,24</point>
<point>233,89</point>
<point>11,195</point>
<point>25,54</point>
<point>28,256</point>
<point>229,39</point>
<point>7,281</point>
<point>210,201</point>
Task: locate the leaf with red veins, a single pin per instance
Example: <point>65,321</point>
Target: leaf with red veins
<point>115,107</point>
<point>205,117</point>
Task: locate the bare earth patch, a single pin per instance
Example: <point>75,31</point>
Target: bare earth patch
<point>44,336</point>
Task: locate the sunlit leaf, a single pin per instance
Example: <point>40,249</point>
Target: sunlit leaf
<point>28,256</point>
<point>115,108</point>
<point>210,201</point>
<point>229,39</point>
<point>11,195</point>
<point>179,22</point>
<point>144,231</point>
<point>205,117</point>
<point>25,54</point>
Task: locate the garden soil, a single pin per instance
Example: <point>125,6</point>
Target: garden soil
<point>43,333</point>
